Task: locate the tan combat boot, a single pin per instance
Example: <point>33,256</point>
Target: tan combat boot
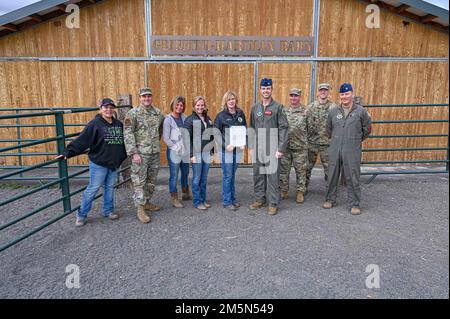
<point>174,200</point>
<point>152,207</point>
<point>327,205</point>
<point>284,195</point>
<point>186,193</point>
<point>355,211</point>
<point>272,210</point>
<point>256,205</point>
<point>141,215</point>
<point>300,198</point>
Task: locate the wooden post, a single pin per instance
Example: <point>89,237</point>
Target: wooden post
<point>122,100</point>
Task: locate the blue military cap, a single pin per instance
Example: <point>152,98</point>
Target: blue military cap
<point>345,88</point>
<point>266,82</point>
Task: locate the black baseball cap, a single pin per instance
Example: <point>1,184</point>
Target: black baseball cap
<point>107,101</point>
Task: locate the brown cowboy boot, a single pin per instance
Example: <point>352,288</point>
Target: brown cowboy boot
<point>174,200</point>
<point>186,193</point>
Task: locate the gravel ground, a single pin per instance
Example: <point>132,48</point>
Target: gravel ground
<point>302,252</point>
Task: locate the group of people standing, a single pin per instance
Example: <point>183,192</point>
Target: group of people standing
<point>278,137</point>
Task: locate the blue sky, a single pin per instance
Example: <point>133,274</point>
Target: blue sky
<point>8,5</point>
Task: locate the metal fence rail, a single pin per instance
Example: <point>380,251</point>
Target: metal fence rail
<point>401,149</point>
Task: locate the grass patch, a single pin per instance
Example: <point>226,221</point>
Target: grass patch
<point>15,186</point>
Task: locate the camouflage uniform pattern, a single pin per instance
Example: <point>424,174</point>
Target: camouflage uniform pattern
<point>318,139</point>
<point>142,132</point>
<point>297,150</point>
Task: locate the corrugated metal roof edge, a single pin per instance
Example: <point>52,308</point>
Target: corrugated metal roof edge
<point>29,10</point>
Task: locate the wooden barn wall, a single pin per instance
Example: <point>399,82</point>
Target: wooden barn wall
<point>397,83</point>
<point>109,28</point>
<point>343,33</point>
<point>210,80</point>
<point>232,17</point>
<point>116,28</point>
<point>61,84</point>
<point>286,76</point>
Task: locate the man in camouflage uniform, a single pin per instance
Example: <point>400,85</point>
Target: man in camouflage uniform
<point>142,132</point>
<point>318,139</point>
<point>268,120</point>
<point>297,149</point>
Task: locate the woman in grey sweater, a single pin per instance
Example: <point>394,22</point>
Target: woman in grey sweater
<point>177,157</point>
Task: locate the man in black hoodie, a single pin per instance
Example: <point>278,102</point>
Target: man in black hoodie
<point>103,138</point>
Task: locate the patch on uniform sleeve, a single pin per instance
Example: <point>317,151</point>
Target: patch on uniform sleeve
<point>127,122</point>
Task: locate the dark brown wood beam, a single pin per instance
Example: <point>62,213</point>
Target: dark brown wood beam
<point>5,32</point>
<point>61,7</point>
<point>402,8</point>
<point>36,17</point>
<point>427,18</point>
<point>10,27</point>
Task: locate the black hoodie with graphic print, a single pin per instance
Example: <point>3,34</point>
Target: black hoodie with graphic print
<point>104,141</point>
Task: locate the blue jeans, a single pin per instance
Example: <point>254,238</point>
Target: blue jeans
<point>174,167</point>
<point>99,176</point>
<point>199,178</point>
<point>230,162</point>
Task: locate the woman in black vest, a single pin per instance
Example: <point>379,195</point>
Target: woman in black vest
<point>200,126</point>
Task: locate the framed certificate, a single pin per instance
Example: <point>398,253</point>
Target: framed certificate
<point>238,136</point>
